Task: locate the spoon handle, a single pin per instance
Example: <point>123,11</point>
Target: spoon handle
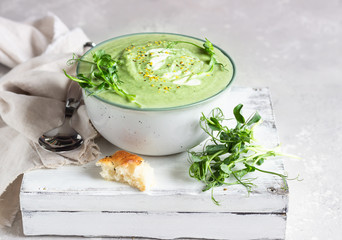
<point>74,94</point>
<point>88,45</point>
<point>73,100</point>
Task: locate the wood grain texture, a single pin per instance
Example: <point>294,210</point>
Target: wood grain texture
<point>80,192</point>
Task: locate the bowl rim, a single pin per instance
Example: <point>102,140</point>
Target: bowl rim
<point>136,108</point>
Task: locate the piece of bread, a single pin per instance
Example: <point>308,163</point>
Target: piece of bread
<point>129,168</point>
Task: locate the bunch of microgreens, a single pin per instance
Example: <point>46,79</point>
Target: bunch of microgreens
<point>103,75</point>
<point>219,163</point>
<point>208,48</point>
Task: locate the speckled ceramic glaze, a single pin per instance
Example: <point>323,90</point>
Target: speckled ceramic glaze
<point>148,131</point>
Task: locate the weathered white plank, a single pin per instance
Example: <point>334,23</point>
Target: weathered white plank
<point>157,225</point>
<point>168,201</point>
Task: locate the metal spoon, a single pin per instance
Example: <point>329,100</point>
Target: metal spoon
<point>64,137</point>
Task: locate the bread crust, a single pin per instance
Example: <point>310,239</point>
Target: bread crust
<point>122,158</point>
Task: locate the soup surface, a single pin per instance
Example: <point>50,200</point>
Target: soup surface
<point>162,71</point>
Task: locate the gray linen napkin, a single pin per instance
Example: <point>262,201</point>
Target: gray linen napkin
<point>32,99</point>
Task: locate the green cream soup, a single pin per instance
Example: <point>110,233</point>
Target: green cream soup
<point>161,71</point>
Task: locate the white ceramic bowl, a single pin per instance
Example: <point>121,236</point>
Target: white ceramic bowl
<point>153,131</point>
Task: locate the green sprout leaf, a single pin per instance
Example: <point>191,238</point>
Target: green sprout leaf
<point>255,119</point>
<point>238,115</point>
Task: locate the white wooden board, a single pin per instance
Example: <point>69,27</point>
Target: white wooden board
<point>75,200</point>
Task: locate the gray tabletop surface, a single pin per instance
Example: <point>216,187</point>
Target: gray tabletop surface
<point>292,47</point>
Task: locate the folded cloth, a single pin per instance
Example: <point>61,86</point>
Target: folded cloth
<point>32,101</point>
